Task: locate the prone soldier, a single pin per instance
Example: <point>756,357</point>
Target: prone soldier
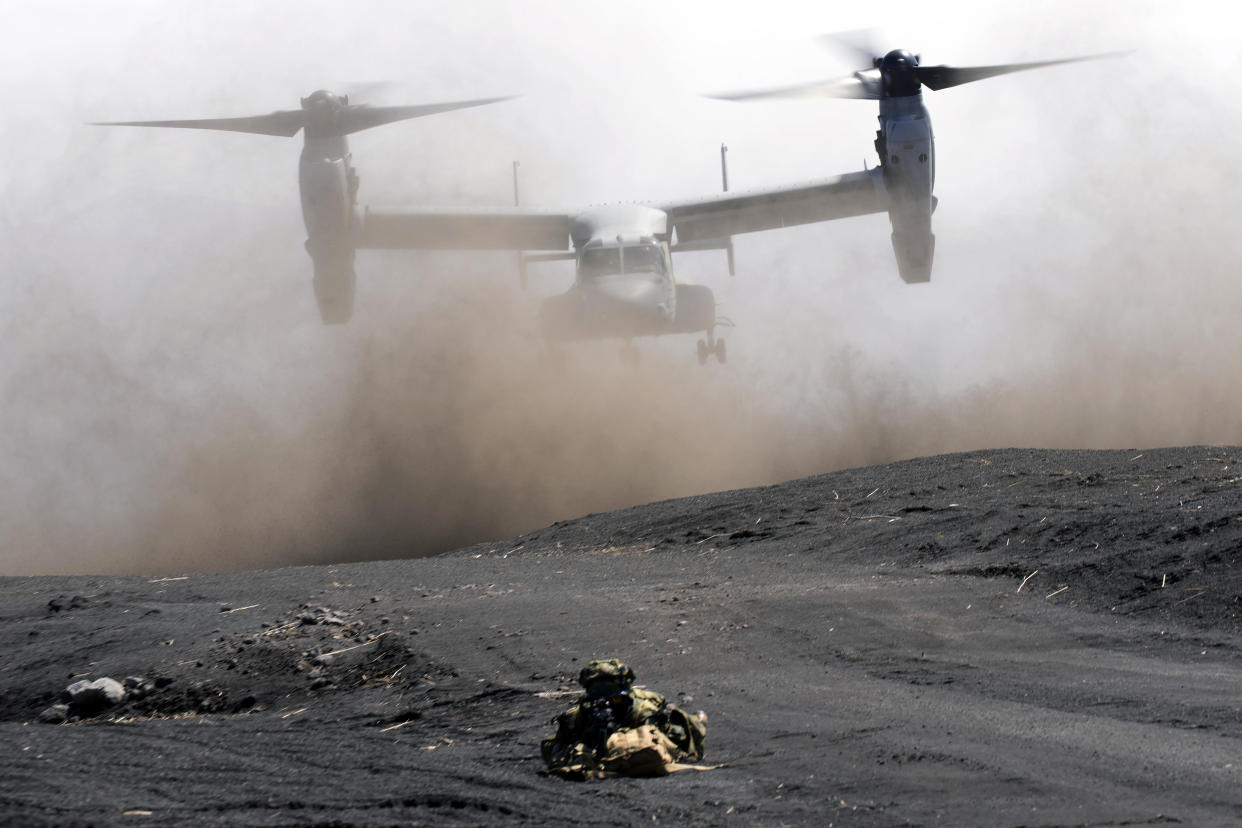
<point>619,729</point>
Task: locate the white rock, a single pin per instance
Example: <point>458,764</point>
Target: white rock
<point>88,697</point>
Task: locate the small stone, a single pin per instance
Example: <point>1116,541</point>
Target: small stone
<point>137,687</point>
<point>56,714</point>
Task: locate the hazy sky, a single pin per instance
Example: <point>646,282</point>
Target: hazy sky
<point>156,302</point>
<point>610,104</point>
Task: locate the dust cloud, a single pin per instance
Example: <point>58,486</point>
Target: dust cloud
<point>426,426</point>
<point>423,432</point>
<point>243,435</point>
<point>171,403</point>
<point>462,427</point>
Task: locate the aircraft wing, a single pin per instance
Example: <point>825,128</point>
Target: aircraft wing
<point>503,229</point>
<point>853,194</point>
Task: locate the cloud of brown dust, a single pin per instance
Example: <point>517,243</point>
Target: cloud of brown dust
<point>461,426</point>
<point>412,433</point>
<point>171,403</point>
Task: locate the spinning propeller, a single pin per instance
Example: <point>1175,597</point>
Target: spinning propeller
<point>323,115</point>
<point>894,74</point>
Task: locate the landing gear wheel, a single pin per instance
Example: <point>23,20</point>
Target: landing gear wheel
<point>711,347</point>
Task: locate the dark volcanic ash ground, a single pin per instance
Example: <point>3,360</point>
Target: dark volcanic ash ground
<point>996,638</point>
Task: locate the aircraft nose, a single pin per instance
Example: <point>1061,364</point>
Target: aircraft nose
<point>635,294</point>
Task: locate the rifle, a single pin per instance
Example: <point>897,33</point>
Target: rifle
<point>600,724</point>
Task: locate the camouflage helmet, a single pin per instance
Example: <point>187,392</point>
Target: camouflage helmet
<point>606,677</point>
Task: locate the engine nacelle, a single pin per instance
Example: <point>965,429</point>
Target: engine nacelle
<point>334,287</point>
<point>908,156</point>
<point>914,250</point>
<point>328,188</point>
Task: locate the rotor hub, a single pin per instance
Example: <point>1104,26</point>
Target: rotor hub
<point>898,70</point>
<point>323,112</point>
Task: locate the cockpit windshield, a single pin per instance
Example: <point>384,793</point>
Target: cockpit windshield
<point>608,261</point>
<point>599,261</point>
<point>643,258</point>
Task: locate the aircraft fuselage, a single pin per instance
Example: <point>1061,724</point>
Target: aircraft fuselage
<point>624,284</point>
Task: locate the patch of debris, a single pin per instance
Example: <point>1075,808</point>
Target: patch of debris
<point>64,603</point>
<point>297,657</point>
<point>90,697</point>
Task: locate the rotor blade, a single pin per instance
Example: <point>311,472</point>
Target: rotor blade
<point>943,77</point>
<point>859,44</point>
<point>285,123</point>
<point>860,86</point>
<point>357,118</point>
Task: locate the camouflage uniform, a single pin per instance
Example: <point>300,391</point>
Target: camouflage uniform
<point>611,703</point>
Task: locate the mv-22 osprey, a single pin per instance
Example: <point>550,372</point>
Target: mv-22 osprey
<point>624,285</point>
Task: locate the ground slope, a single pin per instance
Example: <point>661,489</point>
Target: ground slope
<point>997,638</point>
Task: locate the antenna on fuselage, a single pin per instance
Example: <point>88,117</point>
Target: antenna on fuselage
<point>523,257</point>
<point>724,186</point>
<point>516,202</point>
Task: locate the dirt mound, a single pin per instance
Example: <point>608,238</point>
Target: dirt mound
<point>314,652</point>
<point>1055,633</point>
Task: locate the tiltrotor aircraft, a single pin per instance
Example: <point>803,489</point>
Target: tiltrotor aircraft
<point>624,287</point>
<point>904,140</point>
